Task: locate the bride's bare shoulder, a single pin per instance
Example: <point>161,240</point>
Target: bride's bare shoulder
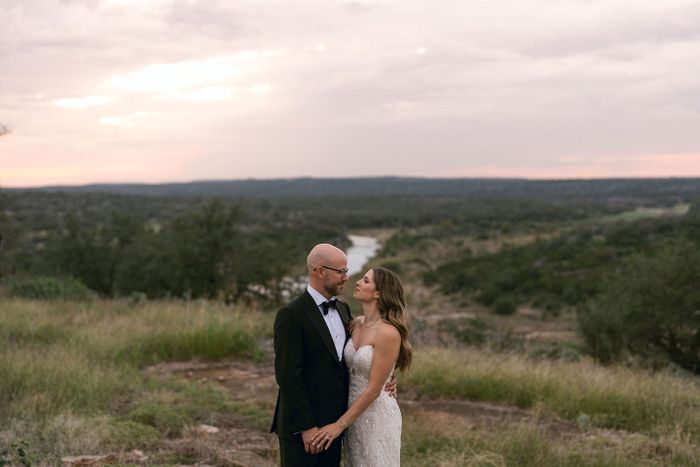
<point>388,331</point>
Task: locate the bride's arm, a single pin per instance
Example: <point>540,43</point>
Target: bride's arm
<point>386,351</point>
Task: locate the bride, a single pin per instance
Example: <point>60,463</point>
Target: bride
<point>377,346</point>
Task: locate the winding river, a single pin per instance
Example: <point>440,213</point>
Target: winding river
<point>362,250</point>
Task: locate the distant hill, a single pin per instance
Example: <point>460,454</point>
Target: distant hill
<point>643,191</point>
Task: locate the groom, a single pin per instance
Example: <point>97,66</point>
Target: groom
<point>309,337</point>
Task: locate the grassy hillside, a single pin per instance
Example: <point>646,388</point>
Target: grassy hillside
<point>92,377</point>
<point>72,379</point>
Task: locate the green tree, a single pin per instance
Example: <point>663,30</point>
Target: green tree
<point>3,231</point>
<point>8,240</point>
<point>205,245</point>
<point>93,254</point>
<point>650,307</point>
<point>274,256</point>
<point>150,266</point>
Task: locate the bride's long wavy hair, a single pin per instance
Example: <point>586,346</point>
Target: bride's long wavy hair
<point>392,309</point>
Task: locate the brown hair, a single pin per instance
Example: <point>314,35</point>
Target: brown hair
<point>392,309</point>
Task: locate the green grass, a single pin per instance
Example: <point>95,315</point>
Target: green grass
<point>214,341</point>
<point>72,383</point>
<point>71,380</point>
<point>648,213</point>
<point>617,398</point>
<point>424,443</point>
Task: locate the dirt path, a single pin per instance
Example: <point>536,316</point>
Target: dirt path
<point>235,443</point>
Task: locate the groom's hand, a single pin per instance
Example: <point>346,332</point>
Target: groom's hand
<point>308,437</point>
<point>391,386</point>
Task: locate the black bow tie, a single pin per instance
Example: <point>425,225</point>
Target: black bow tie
<point>329,304</point>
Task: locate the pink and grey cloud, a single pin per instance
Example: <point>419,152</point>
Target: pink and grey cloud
<point>157,90</point>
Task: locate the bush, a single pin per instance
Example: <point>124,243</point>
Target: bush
<point>48,288</point>
<point>649,308</point>
<point>15,454</point>
<point>164,418</point>
<point>128,434</point>
<point>504,306</point>
<point>470,331</point>
<point>393,266</point>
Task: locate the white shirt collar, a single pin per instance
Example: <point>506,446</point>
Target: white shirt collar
<point>316,295</point>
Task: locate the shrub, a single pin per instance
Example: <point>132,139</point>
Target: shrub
<point>470,331</point>
<point>164,418</point>
<point>649,309</point>
<point>504,306</point>
<point>15,454</point>
<point>394,266</point>
<point>128,434</point>
<point>48,288</point>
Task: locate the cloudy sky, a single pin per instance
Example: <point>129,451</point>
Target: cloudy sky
<point>176,90</point>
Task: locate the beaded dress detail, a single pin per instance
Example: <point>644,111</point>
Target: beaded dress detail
<point>374,440</point>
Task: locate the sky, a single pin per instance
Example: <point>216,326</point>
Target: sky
<point>152,91</point>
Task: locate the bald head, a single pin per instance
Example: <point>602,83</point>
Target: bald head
<point>327,266</point>
<point>324,254</point>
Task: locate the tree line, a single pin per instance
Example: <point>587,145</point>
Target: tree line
<point>209,252</point>
<point>638,191</point>
<point>35,215</point>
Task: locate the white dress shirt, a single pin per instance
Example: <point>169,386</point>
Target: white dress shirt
<point>332,319</point>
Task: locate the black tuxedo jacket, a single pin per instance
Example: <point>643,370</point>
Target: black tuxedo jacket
<point>313,384</point>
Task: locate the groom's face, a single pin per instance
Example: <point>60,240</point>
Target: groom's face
<point>333,279</point>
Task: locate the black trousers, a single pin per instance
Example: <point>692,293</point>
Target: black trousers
<point>292,454</point>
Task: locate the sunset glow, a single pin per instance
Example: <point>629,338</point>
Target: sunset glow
<point>82,102</point>
<point>97,90</point>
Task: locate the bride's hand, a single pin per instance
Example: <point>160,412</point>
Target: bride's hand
<point>351,324</point>
<point>326,435</point>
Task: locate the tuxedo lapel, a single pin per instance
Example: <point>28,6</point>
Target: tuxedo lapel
<point>345,316</point>
<point>344,312</point>
<point>314,315</point>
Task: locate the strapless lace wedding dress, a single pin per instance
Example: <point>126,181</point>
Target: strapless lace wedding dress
<point>374,440</point>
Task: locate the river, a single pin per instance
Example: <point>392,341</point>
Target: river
<point>362,250</point>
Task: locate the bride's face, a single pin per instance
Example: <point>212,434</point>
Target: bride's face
<point>365,290</point>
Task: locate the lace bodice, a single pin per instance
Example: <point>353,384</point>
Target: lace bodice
<point>375,437</point>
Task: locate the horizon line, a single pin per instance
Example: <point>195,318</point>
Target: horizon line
<point>365,177</point>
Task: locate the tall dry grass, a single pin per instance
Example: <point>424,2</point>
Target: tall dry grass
<point>525,445</point>
<point>70,379</point>
<point>615,397</point>
<point>71,382</point>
